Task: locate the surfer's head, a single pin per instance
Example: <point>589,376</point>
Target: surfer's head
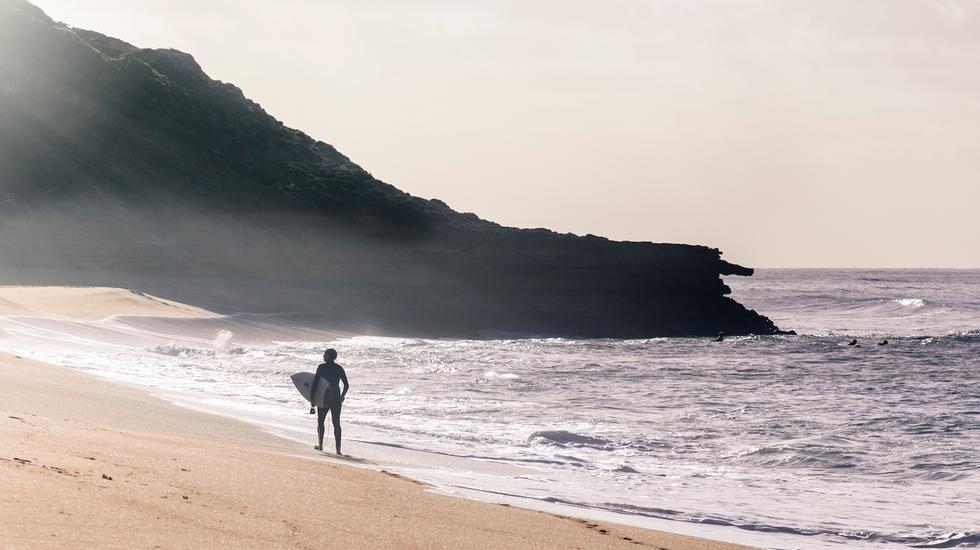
<point>330,355</point>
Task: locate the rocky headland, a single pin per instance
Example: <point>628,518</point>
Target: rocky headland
<point>122,166</point>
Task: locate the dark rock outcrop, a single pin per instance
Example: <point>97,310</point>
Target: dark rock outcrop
<point>127,166</point>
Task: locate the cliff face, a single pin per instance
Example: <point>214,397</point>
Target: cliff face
<point>120,165</point>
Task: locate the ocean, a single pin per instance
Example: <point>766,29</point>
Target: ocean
<point>778,441</point>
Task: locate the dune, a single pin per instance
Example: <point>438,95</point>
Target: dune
<point>89,303</point>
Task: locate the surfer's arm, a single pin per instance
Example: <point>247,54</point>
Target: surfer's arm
<point>343,377</point>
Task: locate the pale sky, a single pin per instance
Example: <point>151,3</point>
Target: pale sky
<point>788,133</point>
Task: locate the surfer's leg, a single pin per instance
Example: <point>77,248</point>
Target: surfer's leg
<point>335,416</point>
<point>321,415</point>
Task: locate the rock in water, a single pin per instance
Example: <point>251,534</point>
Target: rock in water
<point>131,167</point>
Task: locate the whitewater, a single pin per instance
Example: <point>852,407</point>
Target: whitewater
<point>777,441</point>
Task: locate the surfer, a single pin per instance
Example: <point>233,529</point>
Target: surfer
<point>720,337</point>
<point>853,342</point>
<point>332,374</point>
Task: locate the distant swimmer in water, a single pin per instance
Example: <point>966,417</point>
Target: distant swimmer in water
<point>884,343</point>
<point>720,337</point>
<point>853,342</point>
<point>332,374</point>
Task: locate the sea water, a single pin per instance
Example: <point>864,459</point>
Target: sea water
<point>779,441</point>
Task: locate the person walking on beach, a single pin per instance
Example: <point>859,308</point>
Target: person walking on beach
<point>331,373</point>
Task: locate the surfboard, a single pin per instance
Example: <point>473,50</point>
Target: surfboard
<point>304,383</point>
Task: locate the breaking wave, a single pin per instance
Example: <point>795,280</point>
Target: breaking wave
<point>914,303</point>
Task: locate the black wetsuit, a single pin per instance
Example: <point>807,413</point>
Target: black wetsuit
<point>332,373</point>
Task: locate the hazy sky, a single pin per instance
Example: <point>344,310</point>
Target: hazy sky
<point>785,132</point>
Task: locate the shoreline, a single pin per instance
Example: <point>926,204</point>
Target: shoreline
<point>171,476</point>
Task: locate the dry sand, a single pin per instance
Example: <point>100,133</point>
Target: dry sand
<point>85,463</point>
<point>89,303</point>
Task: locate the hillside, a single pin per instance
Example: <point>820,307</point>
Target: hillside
<point>130,167</point>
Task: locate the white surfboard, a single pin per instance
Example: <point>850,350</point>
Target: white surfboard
<point>304,383</point>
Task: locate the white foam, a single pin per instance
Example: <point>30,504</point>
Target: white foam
<point>913,303</point>
<point>504,375</point>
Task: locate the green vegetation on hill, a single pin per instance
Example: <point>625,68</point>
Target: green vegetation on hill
<point>143,125</point>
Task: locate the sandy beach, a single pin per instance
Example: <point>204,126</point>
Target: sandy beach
<point>89,303</point>
<point>89,463</point>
